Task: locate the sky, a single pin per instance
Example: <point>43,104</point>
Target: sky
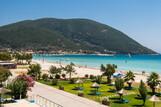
<point>139,19</point>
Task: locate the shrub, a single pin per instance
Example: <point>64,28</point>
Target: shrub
<point>20,85</point>
<point>28,79</point>
<point>119,84</point>
<point>105,101</point>
<point>72,81</point>
<point>57,76</point>
<point>45,77</point>
<point>18,88</point>
<point>143,91</point>
<point>80,93</point>
<point>50,77</point>
<point>54,71</point>
<point>54,82</point>
<point>91,76</point>
<point>63,75</point>
<point>61,87</point>
<point>86,76</point>
<point>98,79</point>
<point>35,71</point>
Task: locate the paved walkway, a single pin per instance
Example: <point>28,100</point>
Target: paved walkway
<point>63,98</point>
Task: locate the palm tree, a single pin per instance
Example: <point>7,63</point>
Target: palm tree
<point>4,74</point>
<point>28,58</point>
<point>103,68</point>
<point>129,77</point>
<point>35,71</point>
<point>143,91</point>
<point>108,70</point>
<point>69,69</point>
<point>153,81</point>
<point>54,70</point>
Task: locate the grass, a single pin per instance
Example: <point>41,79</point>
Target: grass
<point>133,102</point>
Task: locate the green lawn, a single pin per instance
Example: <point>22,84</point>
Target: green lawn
<point>104,92</point>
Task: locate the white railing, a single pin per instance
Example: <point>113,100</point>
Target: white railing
<point>42,101</point>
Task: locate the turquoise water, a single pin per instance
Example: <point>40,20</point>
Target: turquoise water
<point>124,62</point>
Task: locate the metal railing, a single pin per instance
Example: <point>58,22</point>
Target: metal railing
<point>42,101</point>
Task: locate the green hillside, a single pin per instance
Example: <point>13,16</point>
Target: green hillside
<point>68,34</point>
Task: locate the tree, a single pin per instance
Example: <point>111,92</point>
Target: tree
<point>20,57</point>
<point>108,70</point>
<point>20,85</point>
<point>4,74</point>
<point>45,77</point>
<point>143,91</point>
<point>5,56</point>
<point>103,68</point>
<point>34,71</point>
<point>28,79</point>
<point>18,88</point>
<point>54,71</point>
<point>153,81</point>
<point>28,58</point>
<point>69,69</point>
<point>119,84</point>
<point>129,77</point>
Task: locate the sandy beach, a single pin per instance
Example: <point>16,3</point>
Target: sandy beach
<point>81,71</point>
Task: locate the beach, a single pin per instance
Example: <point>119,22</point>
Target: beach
<point>81,71</point>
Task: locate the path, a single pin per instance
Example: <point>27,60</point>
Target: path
<point>63,98</point>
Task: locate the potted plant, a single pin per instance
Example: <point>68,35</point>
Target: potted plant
<point>61,87</point>
<point>80,93</point>
<point>105,101</point>
<point>86,76</point>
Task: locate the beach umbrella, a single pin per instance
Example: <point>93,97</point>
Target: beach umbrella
<point>79,81</point>
<point>113,83</point>
<point>95,85</point>
<point>130,81</point>
<point>154,99</point>
<point>121,92</point>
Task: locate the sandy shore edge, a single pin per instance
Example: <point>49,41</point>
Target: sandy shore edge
<point>81,70</point>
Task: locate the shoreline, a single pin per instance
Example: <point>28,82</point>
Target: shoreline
<point>81,70</point>
<point>99,54</point>
<point>125,62</point>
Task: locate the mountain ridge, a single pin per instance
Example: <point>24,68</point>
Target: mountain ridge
<point>68,35</point>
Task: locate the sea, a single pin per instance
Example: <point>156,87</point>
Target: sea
<point>147,63</point>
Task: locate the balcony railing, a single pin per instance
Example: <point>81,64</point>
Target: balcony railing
<point>42,101</point>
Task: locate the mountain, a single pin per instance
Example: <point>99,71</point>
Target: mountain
<point>68,34</point>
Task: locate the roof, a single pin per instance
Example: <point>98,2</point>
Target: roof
<point>7,63</point>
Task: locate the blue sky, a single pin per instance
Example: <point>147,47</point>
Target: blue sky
<point>140,19</point>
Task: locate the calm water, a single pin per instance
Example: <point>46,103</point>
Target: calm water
<point>124,62</point>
